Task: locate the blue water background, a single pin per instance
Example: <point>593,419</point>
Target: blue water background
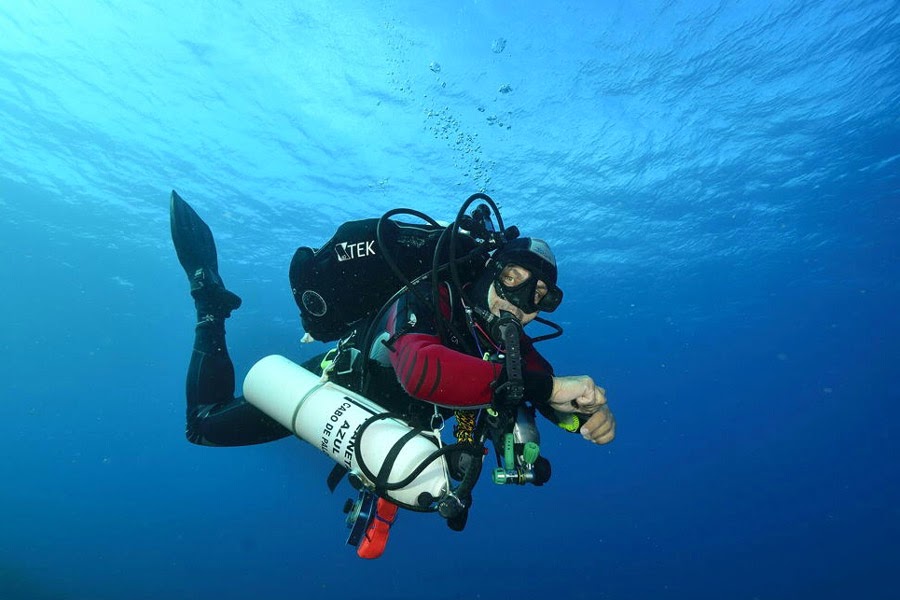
<point>718,179</point>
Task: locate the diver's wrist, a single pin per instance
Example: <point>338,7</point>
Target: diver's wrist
<point>539,387</point>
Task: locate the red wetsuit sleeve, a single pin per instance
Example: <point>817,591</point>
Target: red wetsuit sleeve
<point>430,371</point>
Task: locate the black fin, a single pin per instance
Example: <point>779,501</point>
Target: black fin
<point>196,250</point>
<point>194,243</point>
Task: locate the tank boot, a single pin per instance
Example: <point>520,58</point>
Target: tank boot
<point>379,529</point>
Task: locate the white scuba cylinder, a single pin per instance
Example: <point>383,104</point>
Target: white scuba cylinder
<point>328,416</point>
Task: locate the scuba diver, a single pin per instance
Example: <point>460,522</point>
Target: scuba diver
<point>450,342</point>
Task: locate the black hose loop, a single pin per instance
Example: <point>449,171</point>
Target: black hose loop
<point>380,480</point>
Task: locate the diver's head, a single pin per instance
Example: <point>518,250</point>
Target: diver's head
<point>521,278</point>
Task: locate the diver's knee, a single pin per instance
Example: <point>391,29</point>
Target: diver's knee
<point>193,430</point>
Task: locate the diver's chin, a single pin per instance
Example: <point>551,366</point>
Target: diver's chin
<point>520,315</point>
<point>527,318</point>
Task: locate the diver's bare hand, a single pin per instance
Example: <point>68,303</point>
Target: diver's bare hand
<point>576,393</point>
<point>601,427</point>
<point>580,394</point>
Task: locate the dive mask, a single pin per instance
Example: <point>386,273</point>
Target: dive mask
<point>524,295</point>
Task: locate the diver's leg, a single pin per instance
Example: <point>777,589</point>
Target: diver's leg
<point>214,416</point>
